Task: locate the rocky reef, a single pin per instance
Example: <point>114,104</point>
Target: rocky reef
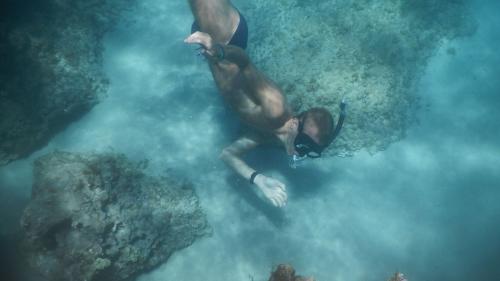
<point>50,73</point>
<point>99,217</point>
<point>370,52</point>
<point>398,276</point>
<point>285,272</point>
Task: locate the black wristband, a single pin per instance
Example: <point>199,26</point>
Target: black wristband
<point>219,51</point>
<point>253,176</point>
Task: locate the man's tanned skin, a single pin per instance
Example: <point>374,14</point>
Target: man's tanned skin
<point>257,100</point>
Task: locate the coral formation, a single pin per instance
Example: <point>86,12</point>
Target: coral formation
<point>285,272</point>
<point>370,52</point>
<point>50,73</point>
<point>99,217</point>
<point>398,276</point>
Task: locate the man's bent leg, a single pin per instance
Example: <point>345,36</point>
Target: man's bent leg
<point>218,18</point>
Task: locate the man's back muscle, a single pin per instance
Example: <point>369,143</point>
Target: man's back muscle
<point>257,100</point>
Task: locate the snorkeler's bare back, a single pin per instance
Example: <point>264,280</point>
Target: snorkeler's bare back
<point>256,99</point>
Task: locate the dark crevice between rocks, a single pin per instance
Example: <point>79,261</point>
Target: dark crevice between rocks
<point>12,265</point>
<point>9,259</point>
<point>105,274</point>
<point>49,240</point>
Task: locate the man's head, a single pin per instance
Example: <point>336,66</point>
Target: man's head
<point>314,132</point>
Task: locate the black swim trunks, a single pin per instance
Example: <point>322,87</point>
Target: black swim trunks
<point>240,37</point>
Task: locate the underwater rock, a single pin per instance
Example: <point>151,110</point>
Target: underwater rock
<point>398,276</point>
<point>285,272</point>
<point>51,71</point>
<point>99,217</point>
<point>372,53</point>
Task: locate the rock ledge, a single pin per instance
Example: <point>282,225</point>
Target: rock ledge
<point>99,217</point>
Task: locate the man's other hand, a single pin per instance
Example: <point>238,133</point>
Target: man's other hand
<point>273,189</point>
<point>202,38</point>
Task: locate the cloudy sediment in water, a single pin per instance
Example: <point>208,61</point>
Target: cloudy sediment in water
<point>425,206</point>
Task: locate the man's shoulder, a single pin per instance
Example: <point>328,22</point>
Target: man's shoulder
<point>258,135</point>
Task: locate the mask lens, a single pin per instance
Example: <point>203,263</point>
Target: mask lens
<point>305,146</point>
<point>313,154</point>
<point>302,149</point>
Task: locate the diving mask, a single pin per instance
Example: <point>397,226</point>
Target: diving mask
<point>306,147</point>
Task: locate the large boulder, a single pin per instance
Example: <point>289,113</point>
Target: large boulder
<point>51,70</point>
<point>99,217</point>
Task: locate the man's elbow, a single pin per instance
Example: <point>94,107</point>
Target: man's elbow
<point>242,62</point>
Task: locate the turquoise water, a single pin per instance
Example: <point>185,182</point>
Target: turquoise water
<point>426,206</point>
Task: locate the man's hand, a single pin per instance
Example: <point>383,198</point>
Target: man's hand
<point>202,38</point>
<point>273,189</point>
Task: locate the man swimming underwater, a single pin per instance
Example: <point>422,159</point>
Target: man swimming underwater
<point>222,32</point>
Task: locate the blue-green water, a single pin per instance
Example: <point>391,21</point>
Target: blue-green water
<point>426,206</point>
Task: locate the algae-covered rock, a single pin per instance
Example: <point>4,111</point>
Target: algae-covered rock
<point>285,272</point>
<point>51,70</point>
<point>370,52</point>
<point>99,217</point>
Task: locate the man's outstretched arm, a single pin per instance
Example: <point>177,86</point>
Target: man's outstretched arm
<point>274,190</point>
<point>232,154</point>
